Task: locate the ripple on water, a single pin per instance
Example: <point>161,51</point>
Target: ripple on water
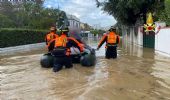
<point>128,77</point>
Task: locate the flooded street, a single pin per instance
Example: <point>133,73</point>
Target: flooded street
<point>137,74</point>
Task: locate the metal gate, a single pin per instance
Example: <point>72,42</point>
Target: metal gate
<point>149,40</point>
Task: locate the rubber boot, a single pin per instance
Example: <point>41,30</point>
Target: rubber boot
<point>57,67</point>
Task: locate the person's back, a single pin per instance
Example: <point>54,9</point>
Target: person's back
<point>50,37</point>
<point>60,46</point>
<point>61,41</point>
<point>111,40</point>
<point>62,51</point>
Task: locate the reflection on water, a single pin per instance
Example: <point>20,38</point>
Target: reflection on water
<point>137,74</point>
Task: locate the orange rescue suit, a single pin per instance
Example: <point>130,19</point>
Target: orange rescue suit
<point>64,43</point>
<point>111,39</point>
<point>50,37</point>
<point>61,41</point>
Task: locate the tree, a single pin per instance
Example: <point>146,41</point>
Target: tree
<point>164,14</point>
<point>99,32</point>
<point>6,22</point>
<point>167,9</point>
<point>6,8</point>
<point>39,2</point>
<point>127,12</point>
<point>30,15</point>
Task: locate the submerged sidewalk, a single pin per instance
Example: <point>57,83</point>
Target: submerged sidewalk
<point>21,49</point>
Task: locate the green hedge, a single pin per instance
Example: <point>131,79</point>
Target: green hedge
<point>15,37</point>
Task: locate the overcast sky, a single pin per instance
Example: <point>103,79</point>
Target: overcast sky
<point>85,10</point>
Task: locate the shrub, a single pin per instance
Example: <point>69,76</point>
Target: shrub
<point>15,37</point>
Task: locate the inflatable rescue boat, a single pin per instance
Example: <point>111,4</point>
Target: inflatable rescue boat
<point>87,58</point>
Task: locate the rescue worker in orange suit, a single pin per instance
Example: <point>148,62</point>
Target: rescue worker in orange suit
<point>111,40</point>
<point>50,38</point>
<point>61,51</point>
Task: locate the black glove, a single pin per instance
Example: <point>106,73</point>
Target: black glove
<point>84,53</point>
<point>97,48</point>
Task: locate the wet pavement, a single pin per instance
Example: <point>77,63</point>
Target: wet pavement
<point>137,74</point>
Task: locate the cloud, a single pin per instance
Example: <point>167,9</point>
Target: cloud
<point>85,10</point>
<point>48,6</point>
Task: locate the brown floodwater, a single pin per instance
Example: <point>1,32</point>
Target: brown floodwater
<point>137,74</point>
